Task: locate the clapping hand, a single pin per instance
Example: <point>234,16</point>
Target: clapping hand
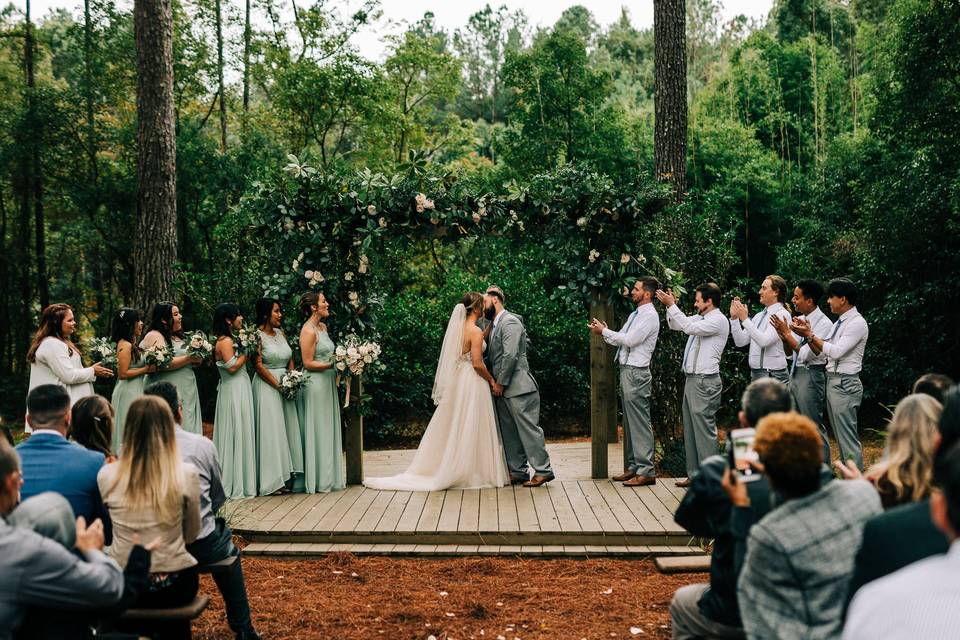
<point>781,326</point>
<point>89,538</point>
<point>666,298</point>
<point>801,327</point>
<point>597,326</point>
<point>738,310</point>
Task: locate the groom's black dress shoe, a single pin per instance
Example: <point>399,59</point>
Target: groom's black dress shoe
<point>536,481</point>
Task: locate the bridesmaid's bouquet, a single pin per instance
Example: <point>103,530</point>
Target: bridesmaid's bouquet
<point>247,340</point>
<point>103,352</point>
<point>354,356</point>
<point>158,355</point>
<point>291,383</point>
<point>198,346</point>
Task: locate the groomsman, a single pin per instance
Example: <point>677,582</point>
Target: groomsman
<point>767,358</point>
<point>635,343</point>
<point>708,330</point>
<point>808,375</point>
<point>844,347</point>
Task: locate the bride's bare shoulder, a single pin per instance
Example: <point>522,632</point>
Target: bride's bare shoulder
<point>472,330</point>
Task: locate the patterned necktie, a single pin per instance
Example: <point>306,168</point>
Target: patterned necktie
<point>633,316</point>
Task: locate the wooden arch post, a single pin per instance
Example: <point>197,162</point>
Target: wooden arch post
<point>603,389</point>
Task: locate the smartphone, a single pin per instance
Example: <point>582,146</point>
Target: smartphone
<point>742,454</point>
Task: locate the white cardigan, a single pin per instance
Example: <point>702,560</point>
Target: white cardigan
<point>57,364</point>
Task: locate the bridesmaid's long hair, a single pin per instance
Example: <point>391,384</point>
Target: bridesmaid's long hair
<point>223,315</point>
<point>161,320</point>
<point>149,473</point>
<point>124,324</point>
<point>51,325</point>
<point>91,424</point>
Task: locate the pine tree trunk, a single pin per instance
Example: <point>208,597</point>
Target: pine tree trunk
<point>35,171</point>
<point>246,59</point>
<point>155,244</point>
<point>223,93</point>
<point>670,95</point>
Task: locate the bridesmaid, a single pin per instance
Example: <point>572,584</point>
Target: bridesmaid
<point>166,328</point>
<point>233,430</point>
<point>322,460</point>
<point>54,359</point>
<point>127,328</point>
<point>279,441</point>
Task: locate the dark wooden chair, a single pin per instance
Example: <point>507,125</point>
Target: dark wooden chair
<point>165,623</point>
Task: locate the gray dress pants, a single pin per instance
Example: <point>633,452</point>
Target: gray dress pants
<point>519,421</point>
<point>701,400</point>
<point>777,374</point>
<point>809,390</point>
<point>635,384</point>
<point>844,394</point>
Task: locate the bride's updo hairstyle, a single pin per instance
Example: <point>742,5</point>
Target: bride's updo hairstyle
<point>473,302</point>
<point>307,300</point>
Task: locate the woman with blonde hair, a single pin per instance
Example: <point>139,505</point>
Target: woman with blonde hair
<point>153,496</point>
<point>907,472</point>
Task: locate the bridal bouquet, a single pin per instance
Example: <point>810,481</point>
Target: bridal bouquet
<point>103,351</point>
<point>291,383</point>
<point>353,356</point>
<point>198,346</point>
<point>158,355</point>
<point>247,340</point>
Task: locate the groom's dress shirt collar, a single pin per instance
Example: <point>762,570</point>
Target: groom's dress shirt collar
<point>496,319</point>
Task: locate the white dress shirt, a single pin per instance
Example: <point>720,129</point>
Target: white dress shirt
<point>844,345</point>
<point>766,349</point>
<point>57,364</point>
<point>920,601</point>
<point>822,326</point>
<point>638,337</point>
<point>708,336</point>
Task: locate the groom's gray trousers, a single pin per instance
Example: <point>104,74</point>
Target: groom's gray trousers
<point>518,418</point>
<point>635,384</point>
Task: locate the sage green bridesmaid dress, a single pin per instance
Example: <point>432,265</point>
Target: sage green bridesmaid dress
<point>322,435</point>
<point>233,431</point>
<point>125,392</point>
<point>186,382</point>
<point>279,443</point>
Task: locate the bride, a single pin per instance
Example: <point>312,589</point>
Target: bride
<point>461,448</point>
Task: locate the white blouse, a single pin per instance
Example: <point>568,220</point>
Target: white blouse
<point>56,363</point>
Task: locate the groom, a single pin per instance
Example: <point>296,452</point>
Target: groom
<point>517,395</point>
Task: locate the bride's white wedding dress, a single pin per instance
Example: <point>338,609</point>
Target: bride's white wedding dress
<point>461,447</point>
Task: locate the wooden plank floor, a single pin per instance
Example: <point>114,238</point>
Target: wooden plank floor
<point>570,514</point>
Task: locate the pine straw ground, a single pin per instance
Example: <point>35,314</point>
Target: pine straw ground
<point>348,597</point>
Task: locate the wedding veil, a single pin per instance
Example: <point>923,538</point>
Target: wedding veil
<point>450,352</point>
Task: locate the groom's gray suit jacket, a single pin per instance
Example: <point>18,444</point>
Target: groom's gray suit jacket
<point>507,356</point>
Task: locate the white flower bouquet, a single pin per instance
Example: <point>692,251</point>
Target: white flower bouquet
<point>158,355</point>
<point>247,340</point>
<point>198,346</point>
<point>291,383</point>
<point>103,352</point>
<point>353,356</point>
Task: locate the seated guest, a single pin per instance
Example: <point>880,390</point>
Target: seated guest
<point>710,610</point>
<point>52,463</point>
<point>799,557</point>
<point>905,475</point>
<point>883,550</point>
<point>91,425</point>
<point>933,384</point>
<point>150,492</point>
<point>215,541</point>
<point>923,599</point>
<point>35,570</point>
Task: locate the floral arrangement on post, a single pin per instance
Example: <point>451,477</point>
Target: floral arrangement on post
<point>198,346</point>
<point>158,355</point>
<point>352,358</point>
<point>291,383</point>
<point>103,351</point>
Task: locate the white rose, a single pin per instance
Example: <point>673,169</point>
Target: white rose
<point>581,222</point>
<point>594,254</point>
<point>341,366</point>
<point>371,209</point>
<point>383,223</point>
<point>624,258</point>
<point>348,276</point>
<point>476,217</point>
<point>308,275</point>
<point>341,351</point>
<point>367,359</point>
<point>352,352</point>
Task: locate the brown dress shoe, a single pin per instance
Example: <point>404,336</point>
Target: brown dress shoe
<point>626,475</point>
<point>640,481</point>
<point>536,481</point>
<point>518,479</point>
<point>683,483</point>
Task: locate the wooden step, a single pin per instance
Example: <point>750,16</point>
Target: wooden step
<point>301,549</point>
<point>684,564</point>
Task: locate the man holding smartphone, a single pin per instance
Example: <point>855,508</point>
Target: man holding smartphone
<point>635,344</point>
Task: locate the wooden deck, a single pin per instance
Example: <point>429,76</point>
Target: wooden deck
<point>569,516</point>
